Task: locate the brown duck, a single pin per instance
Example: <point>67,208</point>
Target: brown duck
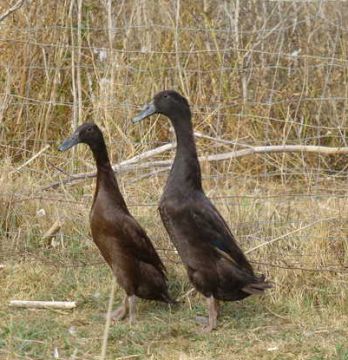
<point>121,240</point>
<point>215,264</point>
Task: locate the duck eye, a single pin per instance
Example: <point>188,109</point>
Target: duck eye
<point>89,129</point>
<point>165,95</point>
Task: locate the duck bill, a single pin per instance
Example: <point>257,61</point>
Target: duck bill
<point>148,110</point>
<point>69,143</point>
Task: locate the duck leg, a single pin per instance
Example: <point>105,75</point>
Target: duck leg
<point>217,308</point>
<point>132,309</point>
<point>121,312</point>
<point>213,311</point>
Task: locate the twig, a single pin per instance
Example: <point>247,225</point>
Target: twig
<point>12,9</point>
<point>58,168</point>
<point>337,270</point>
<point>122,166</point>
<point>258,150</point>
<point>221,141</point>
<point>287,234</point>
<point>326,150</point>
<point>52,230</point>
<point>108,321</point>
<point>158,150</point>
<point>187,294</point>
<point>43,304</point>
<point>31,159</point>
<point>128,357</point>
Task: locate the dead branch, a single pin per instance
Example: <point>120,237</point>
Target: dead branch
<point>325,150</point>
<point>52,231</point>
<point>122,166</point>
<point>12,9</point>
<point>131,164</point>
<point>158,150</point>
<point>43,304</point>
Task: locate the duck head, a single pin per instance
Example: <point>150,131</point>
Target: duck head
<point>87,133</point>
<point>169,103</point>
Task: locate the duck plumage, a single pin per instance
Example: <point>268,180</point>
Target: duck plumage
<point>122,242</point>
<point>215,264</point>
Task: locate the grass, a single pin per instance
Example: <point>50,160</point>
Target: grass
<point>255,72</point>
<point>303,317</point>
<point>257,327</point>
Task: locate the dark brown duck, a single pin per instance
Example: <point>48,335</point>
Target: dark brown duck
<point>121,240</point>
<point>215,264</point>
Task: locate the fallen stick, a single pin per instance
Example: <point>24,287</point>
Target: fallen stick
<point>12,9</point>
<point>256,150</point>
<point>326,150</point>
<point>127,166</point>
<point>52,230</point>
<point>156,151</point>
<point>122,166</point>
<point>43,304</point>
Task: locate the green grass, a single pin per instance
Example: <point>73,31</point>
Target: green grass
<point>259,327</point>
<point>305,316</point>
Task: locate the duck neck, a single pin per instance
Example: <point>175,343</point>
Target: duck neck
<point>186,172</point>
<point>106,179</point>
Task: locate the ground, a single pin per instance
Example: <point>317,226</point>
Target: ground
<point>305,316</point>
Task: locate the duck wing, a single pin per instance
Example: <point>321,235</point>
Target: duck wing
<point>214,231</point>
<point>140,245</point>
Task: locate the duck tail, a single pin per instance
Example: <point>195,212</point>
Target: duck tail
<point>258,287</point>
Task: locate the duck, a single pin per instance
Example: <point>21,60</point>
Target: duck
<point>122,242</point>
<point>215,264</point>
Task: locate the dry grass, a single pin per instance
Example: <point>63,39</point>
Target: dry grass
<point>256,72</point>
<point>305,316</point>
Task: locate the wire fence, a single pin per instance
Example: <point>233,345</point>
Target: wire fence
<point>257,74</point>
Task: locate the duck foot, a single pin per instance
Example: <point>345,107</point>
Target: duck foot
<point>202,320</point>
<point>207,329</point>
<point>120,313</point>
<point>213,311</point>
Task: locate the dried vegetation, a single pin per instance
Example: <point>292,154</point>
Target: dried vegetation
<point>257,73</point>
